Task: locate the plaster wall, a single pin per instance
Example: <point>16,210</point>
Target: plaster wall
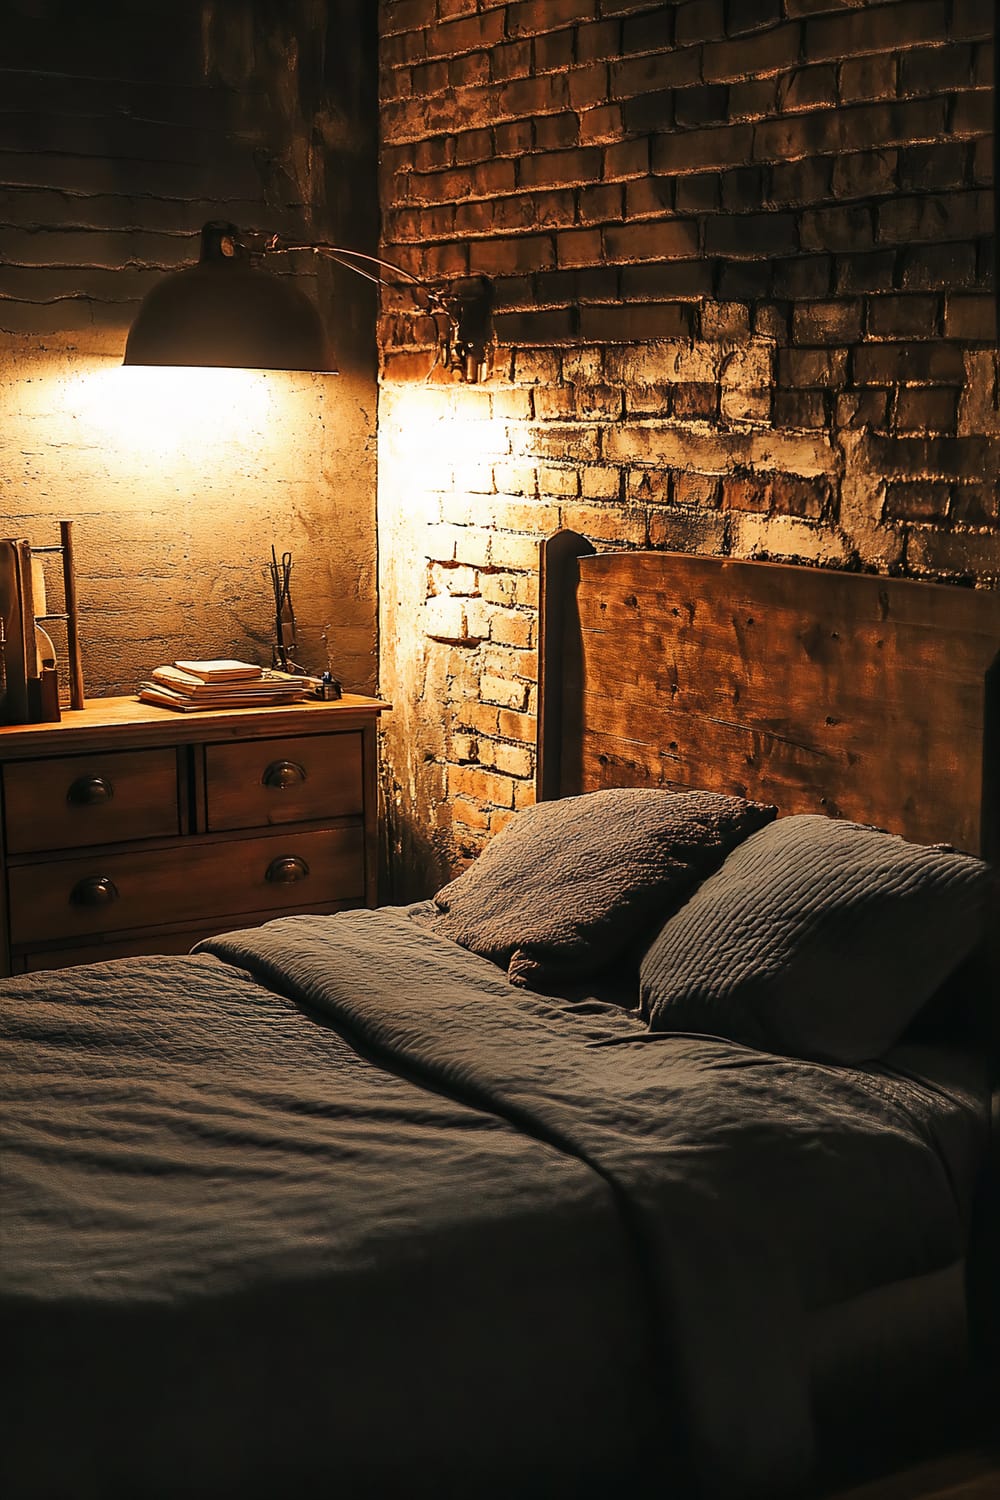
<point>122,129</point>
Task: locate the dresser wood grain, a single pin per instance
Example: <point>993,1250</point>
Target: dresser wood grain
<point>128,829</point>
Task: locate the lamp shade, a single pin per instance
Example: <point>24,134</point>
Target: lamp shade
<point>226,312</point>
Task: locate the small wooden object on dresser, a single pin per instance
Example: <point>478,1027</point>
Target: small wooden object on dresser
<point>128,829</point>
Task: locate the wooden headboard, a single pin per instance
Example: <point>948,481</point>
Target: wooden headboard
<point>870,698</point>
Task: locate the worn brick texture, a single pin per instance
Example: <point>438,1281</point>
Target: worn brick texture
<point>742,261</point>
<point>122,129</point>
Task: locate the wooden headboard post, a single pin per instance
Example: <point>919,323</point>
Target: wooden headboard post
<point>990,844</point>
<point>558,576</point>
<point>859,696</point>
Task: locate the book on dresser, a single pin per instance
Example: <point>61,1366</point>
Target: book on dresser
<point>186,685</point>
<point>219,669</point>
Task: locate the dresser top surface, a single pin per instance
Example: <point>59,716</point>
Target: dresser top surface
<point>126,721</point>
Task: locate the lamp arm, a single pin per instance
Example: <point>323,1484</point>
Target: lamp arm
<point>346,258</point>
<point>467,310</point>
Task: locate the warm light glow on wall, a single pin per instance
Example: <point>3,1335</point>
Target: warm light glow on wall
<point>179,482</point>
<point>168,412</point>
<point>440,439</point>
<point>166,442</point>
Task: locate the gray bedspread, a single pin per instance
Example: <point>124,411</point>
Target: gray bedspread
<point>331,1203</point>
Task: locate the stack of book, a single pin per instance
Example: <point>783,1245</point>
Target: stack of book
<point>187,685</point>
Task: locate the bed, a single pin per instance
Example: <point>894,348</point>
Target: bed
<point>470,1197</point>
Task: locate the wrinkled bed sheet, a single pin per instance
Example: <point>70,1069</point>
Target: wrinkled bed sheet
<point>331,1202</point>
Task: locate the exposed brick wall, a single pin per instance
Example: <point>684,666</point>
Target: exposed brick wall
<point>124,127</point>
<point>742,259</point>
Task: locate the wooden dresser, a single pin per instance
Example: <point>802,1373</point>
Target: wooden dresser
<point>130,829</point>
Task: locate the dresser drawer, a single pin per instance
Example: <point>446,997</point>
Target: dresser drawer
<point>75,800</point>
<point>65,898</point>
<point>261,783</point>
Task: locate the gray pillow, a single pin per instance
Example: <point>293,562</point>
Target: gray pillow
<point>568,884</point>
<point>816,938</point>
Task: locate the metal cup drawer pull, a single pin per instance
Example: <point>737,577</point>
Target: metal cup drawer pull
<point>286,870</point>
<point>282,774</point>
<point>94,890</point>
<point>90,791</point>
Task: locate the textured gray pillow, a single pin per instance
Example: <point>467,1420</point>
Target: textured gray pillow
<point>568,884</point>
<point>816,938</point>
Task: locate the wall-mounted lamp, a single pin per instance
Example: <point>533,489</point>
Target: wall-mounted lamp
<point>229,311</point>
